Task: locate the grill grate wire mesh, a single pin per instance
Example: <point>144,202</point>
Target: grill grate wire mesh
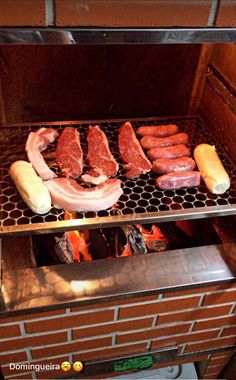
<point>142,201</point>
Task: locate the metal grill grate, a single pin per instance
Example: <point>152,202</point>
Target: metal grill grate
<point>141,202</point>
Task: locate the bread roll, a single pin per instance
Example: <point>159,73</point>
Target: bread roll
<point>211,168</point>
<point>31,187</point>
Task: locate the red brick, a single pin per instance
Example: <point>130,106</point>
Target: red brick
<point>24,376</point>
<point>54,373</point>
<point>201,290</point>
<point>219,361</point>
<point>132,13</point>
<point>111,327</point>
<point>153,333</point>
<point>22,13</point>
<point>227,14</point>
<point>158,307</point>
<point>9,331</point>
<point>218,298</point>
<point>199,313</point>
<point>42,374</point>
<point>213,370</point>
<point>71,347</point>
<point>229,331</point>
<point>115,303</point>
<point>24,317</point>
<point>220,342</point>
<point>111,351</point>
<point>182,339</point>
<point>212,323</point>
<point>69,321</point>
<point>37,340</point>
<point>208,377</point>
<point>15,357</point>
<point>227,353</point>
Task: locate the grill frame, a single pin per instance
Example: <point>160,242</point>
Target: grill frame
<point>36,225</point>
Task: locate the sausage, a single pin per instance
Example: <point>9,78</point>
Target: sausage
<point>158,130</point>
<point>149,142</point>
<point>31,187</point>
<point>173,181</point>
<point>174,151</point>
<point>165,165</point>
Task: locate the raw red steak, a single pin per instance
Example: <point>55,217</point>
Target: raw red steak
<point>99,156</point>
<point>132,153</point>
<point>69,154</point>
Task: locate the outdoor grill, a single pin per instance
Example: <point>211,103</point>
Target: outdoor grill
<point>141,202</point>
<point>174,78</point>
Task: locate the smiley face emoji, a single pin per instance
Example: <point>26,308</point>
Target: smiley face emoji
<point>78,366</point>
<point>65,366</point>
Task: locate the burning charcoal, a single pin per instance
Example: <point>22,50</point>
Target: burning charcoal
<point>125,241</point>
<point>99,247</point>
<point>155,240</point>
<point>49,249</point>
<point>177,237</point>
<point>136,240</point>
<point>63,249</point>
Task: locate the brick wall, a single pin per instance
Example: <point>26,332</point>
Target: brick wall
<point>158,13</point>
<point>197,320</point>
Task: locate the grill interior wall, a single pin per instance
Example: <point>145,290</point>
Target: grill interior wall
<point>218,105</point>
<point>50,83</point>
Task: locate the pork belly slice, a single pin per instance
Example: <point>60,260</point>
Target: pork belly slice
<point>36,143</point>
<point>69,155</point>
<point>132,153</point>
<point>68,194</point>
<point>99,157</point>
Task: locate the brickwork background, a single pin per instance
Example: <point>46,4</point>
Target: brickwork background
<point>196,321</point>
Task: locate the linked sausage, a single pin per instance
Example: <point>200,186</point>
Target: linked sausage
<point>174,151</point>
<point>158,130</point>
<point>165,165</point>
<point>173,181</point>
<point>149,142</point>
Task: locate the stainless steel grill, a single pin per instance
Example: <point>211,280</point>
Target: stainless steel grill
<point>141,202</point>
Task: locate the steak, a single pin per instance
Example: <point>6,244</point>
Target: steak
<point>69,155</point>
<point>99,157</point>
<point>132,153</point>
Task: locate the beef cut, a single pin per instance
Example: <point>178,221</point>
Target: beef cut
<point>132,153</point>
<point>99,157</point>
<point>35,144</point>
<point>69,155</point>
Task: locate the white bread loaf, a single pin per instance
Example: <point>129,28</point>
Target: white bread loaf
<point>211,168</point>
<point>31,187</point>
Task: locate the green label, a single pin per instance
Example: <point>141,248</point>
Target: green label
<point>134,363</point>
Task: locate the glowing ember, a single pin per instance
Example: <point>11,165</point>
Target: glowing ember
<point>79,241</point>
<point>155,240</point>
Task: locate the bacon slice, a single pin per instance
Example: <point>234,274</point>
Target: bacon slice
<point>67,194</point>
<point>69,155</point>
<point>99,157</point>
<point>132,153</point>
<point>36,143</point>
